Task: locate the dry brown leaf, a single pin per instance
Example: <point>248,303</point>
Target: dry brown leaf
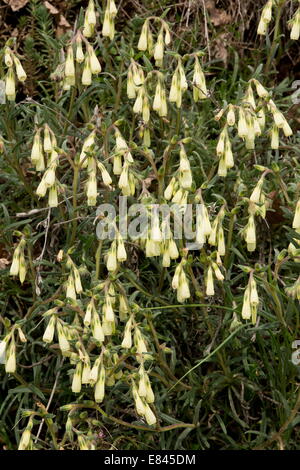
<point>220,50</point>
<point>3,263</point>
<point>51,8</point>
<point>15,33</point>
<point>16,4</point>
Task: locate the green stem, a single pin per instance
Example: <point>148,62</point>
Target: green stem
<point>161,279</point>
<point>119,89</point>
<point>178,121</point>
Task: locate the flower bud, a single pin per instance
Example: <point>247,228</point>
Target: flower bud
<point>3,348</point>
<point>53,199</point>
<point>96,327</point>
<point>169,191</point>
<point>287,129</point>
<point>210,282</point>
<point>69,64</point>
<point>100,385</point>
<point>139,405</point>
<point>175,88</point>
<point>253,292</point>
<point>139,342</point>
<point>261,91</point>
<point>131,88</point>
<point>123,308</point>
<point>278,118</point>
<point>295,31</point>
<point>143,42</point>
<point>256,193</point>
<point>14,269</point>
<point>62,339</point>
<point>274,137</point>
<point>91,190</point>
<point>25,439</point>
<point>123,181</point>
<point>183,291</point>
<point>266,15</point>
<point>108,312</point>
<point>79,57</point>
<point>86,370</point>
<point>127,340</point>
<point>149,415</point>
<point>199,89</point>
<point>230,115</point>
<point>49,331</point>
<point>47,140</point>
<point>10,85</point>
<point>250,235</point>
<point>8,57</point>
<point>106,27</point>
<point>111,262</point>
<point>86,78</point>
<point>221,242</point>
<point>94,62</point>
<point>21,74</point>
<point>76,382</point>
<point>217,271</point>
<point>246,310</point>
<point>89,20</point>
<point>159,48</point>
<point>41,189</point>
<point>78,286</point>
<point>139,102</point>
<point>242,124</point>
<point>146,109</point>
<point>22,268</point>
<point>88,314</point>
<point>10,364</point>
<point>121,251</point>
<point>172,249</point>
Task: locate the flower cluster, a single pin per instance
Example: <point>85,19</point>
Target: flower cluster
<point>250,123</point>
<point>18,266</point>
<point>90,20</point>
<point>180,282</point>
<point>266,17</point>
<point>15,67</point>
<point>8,349</point>
<point>91,63</point>
<point>146,42</point>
